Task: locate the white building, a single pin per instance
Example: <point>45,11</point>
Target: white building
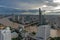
<point>43,32</point>
<point>5,34</point>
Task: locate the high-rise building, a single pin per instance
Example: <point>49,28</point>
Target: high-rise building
<point>43,32</point>
<point>42,20</point>
<point>40,16</point>
<point>43,29</point>
<point>5,34</point>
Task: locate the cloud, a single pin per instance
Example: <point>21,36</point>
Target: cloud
<point>26,4</point>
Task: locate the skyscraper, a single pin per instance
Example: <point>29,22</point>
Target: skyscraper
<point>40,16</point>
<point>42,20</point>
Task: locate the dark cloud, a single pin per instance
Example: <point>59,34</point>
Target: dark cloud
<point>4,10</point>
<point>26,4</point>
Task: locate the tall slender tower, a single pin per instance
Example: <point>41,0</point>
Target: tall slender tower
<point>40,16</point>
<point>13,16</point>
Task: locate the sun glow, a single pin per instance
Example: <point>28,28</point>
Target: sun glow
<point>56,1</point>
<point>58,7</point>
<point>43,6</point>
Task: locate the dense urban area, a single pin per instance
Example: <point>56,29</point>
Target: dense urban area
<point>30,27</point>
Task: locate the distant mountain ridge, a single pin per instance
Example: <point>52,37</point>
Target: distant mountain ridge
<point>5,10</point>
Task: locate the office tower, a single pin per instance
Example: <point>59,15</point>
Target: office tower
<point>13,17</point>
<point>40,17</point>
<point>42,20</point>
<point>18,18</point>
